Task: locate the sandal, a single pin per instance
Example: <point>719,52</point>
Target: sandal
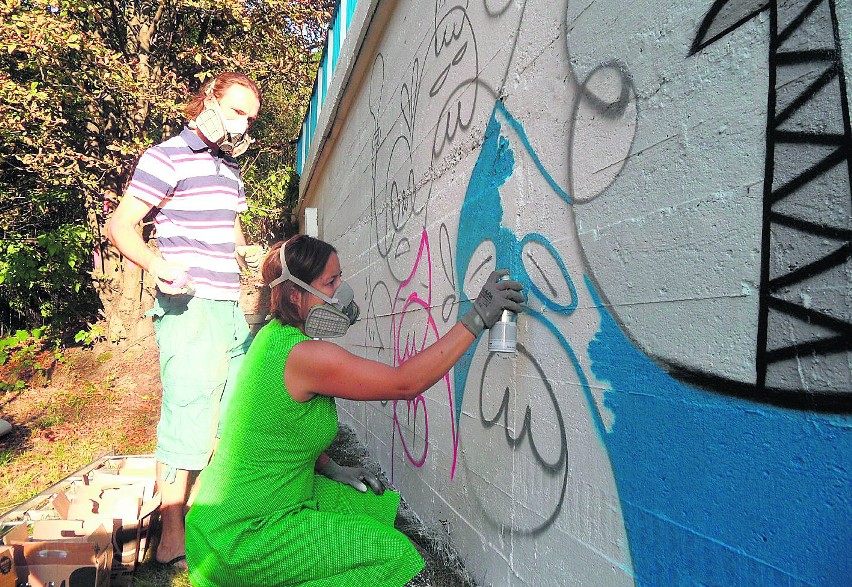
<point>179,562</point>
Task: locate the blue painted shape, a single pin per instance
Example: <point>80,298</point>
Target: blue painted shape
<point>718,490</point>
<point>481,219</point>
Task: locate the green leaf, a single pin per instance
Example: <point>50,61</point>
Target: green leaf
<point>61,80</point>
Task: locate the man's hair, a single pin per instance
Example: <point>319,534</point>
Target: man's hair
<point>306,259</point>
<point>219,86</point>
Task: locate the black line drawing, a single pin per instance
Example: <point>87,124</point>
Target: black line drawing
<point>807,197</point>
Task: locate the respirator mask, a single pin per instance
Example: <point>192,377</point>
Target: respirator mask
<point>331,318</point>
<point>231,135</point>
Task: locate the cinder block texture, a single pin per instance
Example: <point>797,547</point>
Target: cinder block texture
<point>671,182</point>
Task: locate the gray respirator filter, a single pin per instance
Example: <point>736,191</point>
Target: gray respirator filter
<point>335,316</point>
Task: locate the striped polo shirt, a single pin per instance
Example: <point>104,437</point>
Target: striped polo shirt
<point>198,194</point>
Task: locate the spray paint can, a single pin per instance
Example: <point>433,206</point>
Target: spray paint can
<point>503,336</point>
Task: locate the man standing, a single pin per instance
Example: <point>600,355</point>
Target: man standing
<point>194,183</point>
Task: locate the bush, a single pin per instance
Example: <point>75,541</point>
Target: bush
<point>25,359</point>
<point>46,279</point>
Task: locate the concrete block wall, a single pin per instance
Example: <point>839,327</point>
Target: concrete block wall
<point>670,180</point>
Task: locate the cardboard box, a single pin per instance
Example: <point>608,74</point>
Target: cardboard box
<point>100,479</point>
<point>141,469</point>
<point>87,502</point>
<point>61,551</point>
<point>120,508</point>
<point>133,465</point>
<point>7,567</point>
<point>148,515</point>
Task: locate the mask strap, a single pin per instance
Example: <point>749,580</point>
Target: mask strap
<point>208,93</point>
<point>210,99</point>
<point>286,275</point>
<point>211,102</point>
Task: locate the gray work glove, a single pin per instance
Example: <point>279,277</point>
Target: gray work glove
<point>172,278</point>
<point>251,256</point>
<point>357,477</point>
<point>495,296</point>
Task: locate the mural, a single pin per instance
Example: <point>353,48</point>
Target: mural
<point>806,198</point>
<point>785,168</point>
<point>678,408</point>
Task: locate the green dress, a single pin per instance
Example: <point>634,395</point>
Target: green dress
<point>262,517</point>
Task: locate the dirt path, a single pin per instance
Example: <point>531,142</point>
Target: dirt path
<point>96,401</point>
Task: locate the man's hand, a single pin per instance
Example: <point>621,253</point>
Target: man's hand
<point>171,277</point>
<point>357,477</point>
<point>251,256</point>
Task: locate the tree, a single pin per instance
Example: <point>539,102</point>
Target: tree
<point>85,87</point>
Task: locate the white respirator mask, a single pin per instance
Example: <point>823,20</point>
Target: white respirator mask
<point>231,135</point>
<point>331,318</point>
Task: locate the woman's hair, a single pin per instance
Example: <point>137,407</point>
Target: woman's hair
<point>220,85</point>
<point>306,259</point>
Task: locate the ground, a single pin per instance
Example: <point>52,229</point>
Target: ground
<point>105,399</point>
<point>96,401</point>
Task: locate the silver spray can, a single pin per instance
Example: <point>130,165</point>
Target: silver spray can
<point>503,336</point>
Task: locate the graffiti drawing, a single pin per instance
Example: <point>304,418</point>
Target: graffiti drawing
<point>520,401</point>
<point>655,409</point>
<point>437,99</point>
<point>414,329</point>
<point>775,308</point>
<point>806,199</point>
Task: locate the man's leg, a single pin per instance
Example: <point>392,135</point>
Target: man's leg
<point>193,370</point>
<point>239,345</point>
<point>173,485</point>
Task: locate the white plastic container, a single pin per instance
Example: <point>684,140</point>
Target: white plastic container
<point>503,336</point>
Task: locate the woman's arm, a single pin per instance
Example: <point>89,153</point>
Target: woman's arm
<point>318,367</point>
<point>357,477</point>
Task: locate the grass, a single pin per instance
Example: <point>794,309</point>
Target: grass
<point>444,567</point>
<point>60,436</point>
<point>88,408</point>
<point>23,476</point>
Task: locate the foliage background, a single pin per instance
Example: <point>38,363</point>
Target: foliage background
<point>85,87</point>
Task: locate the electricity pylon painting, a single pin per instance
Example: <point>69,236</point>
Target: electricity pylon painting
<point>805,319</point>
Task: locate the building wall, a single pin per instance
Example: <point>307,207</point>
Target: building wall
<point>677,412</point>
